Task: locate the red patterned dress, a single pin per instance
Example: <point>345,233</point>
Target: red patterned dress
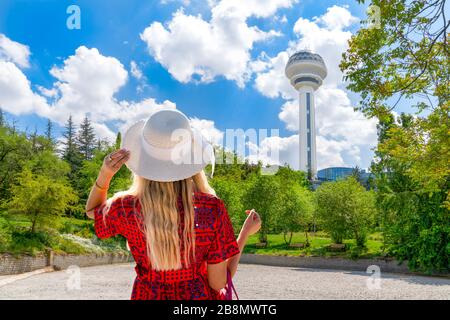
<point>214,243</point>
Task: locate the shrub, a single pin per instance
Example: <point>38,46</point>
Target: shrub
<point>41,197</point>
<point>345,209</point>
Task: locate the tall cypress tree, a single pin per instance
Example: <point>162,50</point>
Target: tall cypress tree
<point>118,140</point>
<point>48,135</point>
<point>86,139</point>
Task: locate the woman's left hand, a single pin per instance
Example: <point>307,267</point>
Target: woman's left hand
<point>114,161</point>
<point>252,224</point>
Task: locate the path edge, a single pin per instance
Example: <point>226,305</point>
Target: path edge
<point>388,265</point>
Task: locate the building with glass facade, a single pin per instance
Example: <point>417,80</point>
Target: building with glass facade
<point>336,173</point>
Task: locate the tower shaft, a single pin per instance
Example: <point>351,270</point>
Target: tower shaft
<point>307,131</point>
<point>306,72</point>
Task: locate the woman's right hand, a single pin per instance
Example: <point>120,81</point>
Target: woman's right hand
<point>114,161</point>
<point>252,224</point>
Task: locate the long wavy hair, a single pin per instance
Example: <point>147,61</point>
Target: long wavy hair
<point>161,220</point>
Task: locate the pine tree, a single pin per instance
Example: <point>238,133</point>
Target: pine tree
<point>356,173</point>
<point>49,131</point>
<point>70,151</point>
<point>86,139</point>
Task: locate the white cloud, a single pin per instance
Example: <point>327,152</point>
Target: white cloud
<point>272,82</point>
<point>276,151</point>
<point>248,8</point>
<point>86,83</point>
<point>49,93</point>
<point>14,52</point>
<point>135,70</point>
<point>335,117</point>
<point>103,131</point>
<point>128,113</point>
<point>289,114</point>
<point>208,130</point>
<point>137,73</point>
<point>344,136</point>
<point>328,40</point>
<point>337,17</point>
<point>184,2</point>
<point>16,95</point>
<point>219,47</point>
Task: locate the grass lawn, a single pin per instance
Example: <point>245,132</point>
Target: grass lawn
<point>318,244</point>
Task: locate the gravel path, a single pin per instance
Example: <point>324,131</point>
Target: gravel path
<point>251,281</point>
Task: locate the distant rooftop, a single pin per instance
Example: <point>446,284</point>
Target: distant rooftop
<point>305,55</point>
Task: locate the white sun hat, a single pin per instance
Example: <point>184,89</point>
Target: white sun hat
<point>166,148</point>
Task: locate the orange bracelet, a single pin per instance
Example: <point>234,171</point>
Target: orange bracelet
<point>103,189</point>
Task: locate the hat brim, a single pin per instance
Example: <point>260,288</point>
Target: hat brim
<point>147,166</point>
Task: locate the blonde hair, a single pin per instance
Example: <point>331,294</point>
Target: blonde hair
<point>201,183</point>
<point>161,223</point>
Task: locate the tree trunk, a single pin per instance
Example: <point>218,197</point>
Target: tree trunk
<point>284,237</point>
<point>290,238</point>
<point>307,244</point>
<point>262,237</point>
<point>33,225</point>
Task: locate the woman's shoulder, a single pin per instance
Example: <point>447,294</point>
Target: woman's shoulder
<point>206,197</point>
<point>124,201</point>
<point>208,200</point>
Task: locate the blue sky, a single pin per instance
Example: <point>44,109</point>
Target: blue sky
<point>226,93</point>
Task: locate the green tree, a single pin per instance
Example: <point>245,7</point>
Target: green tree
<point>231,192</point>
<point>356,173</point>
<point>48,164</point>
<point>49,130</point>
<point>413,199</point>
<point>406,60</point>
<point>49,134</point>
<point>264,195</point>
<point>230,165</point>
<point>345,209</point>
<point>289,176</point>
<point>118,140</point>
<point>405,56</point>
<point>296,211</point>
<point>86,139</point>
<point>70,151</point>
<point>232,178</point>
<point>41,198</point>
<point>15,149</point>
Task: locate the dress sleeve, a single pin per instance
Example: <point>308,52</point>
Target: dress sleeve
<point>224,244</point>
<point>108,223</point>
